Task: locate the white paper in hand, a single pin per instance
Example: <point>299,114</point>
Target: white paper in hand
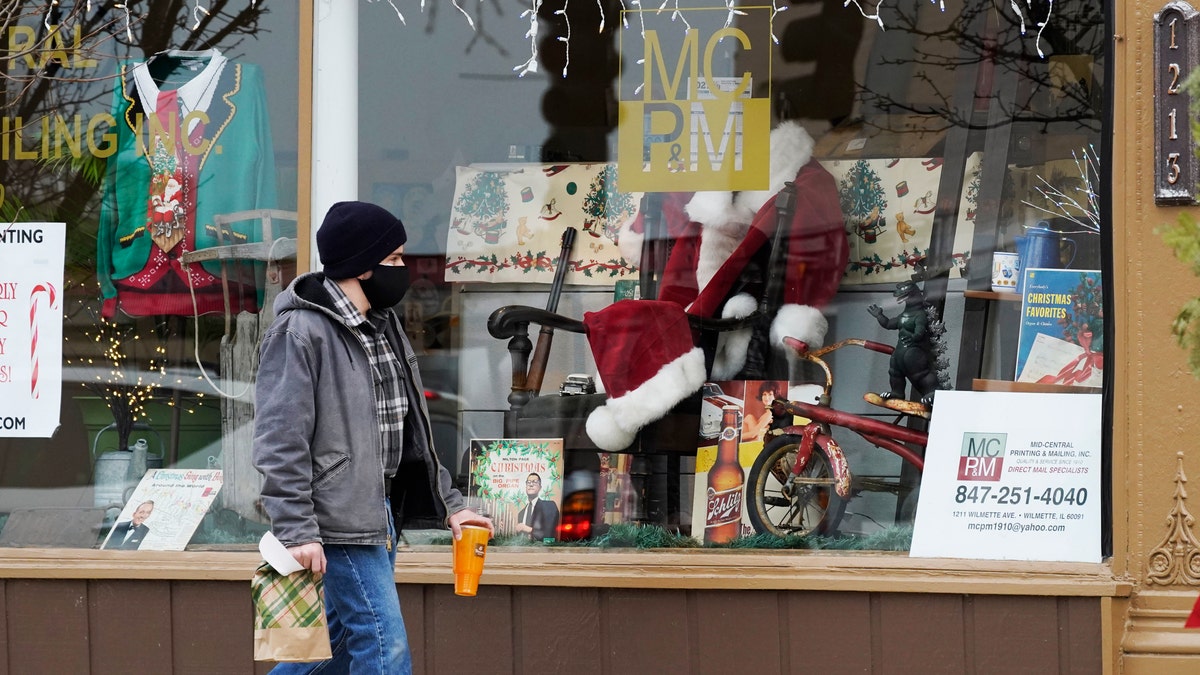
<point>275,553</point>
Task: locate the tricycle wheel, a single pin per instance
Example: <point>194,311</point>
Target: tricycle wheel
<point>783,505</point>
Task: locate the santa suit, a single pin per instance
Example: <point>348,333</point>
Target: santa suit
<point>717,234</point>
<point>643,348</point>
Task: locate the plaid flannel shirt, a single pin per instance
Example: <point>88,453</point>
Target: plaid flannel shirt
<point>391,404</point>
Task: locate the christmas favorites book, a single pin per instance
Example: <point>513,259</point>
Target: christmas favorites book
<point>518,482</point>
<point>1062,328</point>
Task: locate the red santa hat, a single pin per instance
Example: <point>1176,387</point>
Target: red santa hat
<point>721,232</point>
<point>647,363</point>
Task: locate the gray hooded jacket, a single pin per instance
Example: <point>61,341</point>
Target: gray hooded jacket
<point>316,433</point>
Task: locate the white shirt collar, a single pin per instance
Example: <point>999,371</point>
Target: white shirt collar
<point>195,94</point>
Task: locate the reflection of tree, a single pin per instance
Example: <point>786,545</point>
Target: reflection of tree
<point>922,47</point>
<point>914,66</point>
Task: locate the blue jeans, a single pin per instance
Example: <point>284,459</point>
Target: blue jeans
<point>366,630</point>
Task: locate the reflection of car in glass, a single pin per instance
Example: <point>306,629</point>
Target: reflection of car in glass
<point>712,400</point>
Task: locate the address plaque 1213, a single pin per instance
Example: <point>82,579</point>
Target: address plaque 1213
<point>1175,163</point>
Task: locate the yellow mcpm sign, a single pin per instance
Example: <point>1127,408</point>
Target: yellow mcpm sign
<point>691,130</point>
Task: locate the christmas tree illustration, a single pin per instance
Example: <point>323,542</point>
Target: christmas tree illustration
<point>484,205</point>
<point>606,207</point>
<point>863,201</point>
<point>1086,314</point>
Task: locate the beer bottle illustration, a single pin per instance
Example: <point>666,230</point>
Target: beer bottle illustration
<point>723,518</point>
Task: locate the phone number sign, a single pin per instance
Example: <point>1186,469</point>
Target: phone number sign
<point>1011,476</point>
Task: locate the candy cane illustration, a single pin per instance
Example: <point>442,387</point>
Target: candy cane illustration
<point>48,289</point>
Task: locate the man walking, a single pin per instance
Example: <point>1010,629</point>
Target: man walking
<point>343,439</point>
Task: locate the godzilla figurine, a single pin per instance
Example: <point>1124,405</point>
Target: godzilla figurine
<point>915,358</point>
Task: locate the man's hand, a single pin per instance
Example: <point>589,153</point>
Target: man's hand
<point>469,517</point>
<point>310,555</point>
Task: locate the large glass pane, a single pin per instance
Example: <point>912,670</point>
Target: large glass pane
<point>164,136</point>
<point>949,146</point>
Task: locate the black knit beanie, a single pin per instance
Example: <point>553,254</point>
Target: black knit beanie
<point>356,236</point>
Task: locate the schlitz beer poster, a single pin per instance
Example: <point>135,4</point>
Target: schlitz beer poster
<point>735,418</point>
<point>518,483</point>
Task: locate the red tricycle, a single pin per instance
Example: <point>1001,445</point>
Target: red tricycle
<point>801,481</point>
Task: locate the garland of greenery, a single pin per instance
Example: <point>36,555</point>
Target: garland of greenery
<point>625,535</point>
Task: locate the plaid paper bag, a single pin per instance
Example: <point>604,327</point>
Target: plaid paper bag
<point>289,616</point>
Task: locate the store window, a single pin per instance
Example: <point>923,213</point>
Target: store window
<point>149,186</point>
<point>944,233</point>
<point>645,245</point>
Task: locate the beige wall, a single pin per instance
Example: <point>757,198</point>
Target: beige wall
<point>1155,408</point>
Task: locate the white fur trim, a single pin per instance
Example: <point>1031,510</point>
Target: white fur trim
<point>739,306</point>
<point>716,211</point>
<point>725,225</point>
<point>715,249</point>
<point>726,219</point>
<point>733,345</point>
<point>629,243</point>
<point>801,322</point>
<point>791,148</point>
<point>614,425</point>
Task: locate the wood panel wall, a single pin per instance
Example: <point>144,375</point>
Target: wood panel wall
<point>119,627</point>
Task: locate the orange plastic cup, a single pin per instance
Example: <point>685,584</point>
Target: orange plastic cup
<point>469,553</point>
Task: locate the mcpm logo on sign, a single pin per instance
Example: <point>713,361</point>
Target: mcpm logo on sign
<point>982,456</point>
<point>692,130</point>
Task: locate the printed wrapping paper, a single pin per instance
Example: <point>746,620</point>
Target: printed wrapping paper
<point>506,223</point>
<point>289,616</point>
<point>888,206</point>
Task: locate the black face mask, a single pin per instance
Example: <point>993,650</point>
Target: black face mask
<point>386,287</point>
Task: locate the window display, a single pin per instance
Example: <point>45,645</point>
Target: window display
<point>705,214</point>
<point>146,132</point>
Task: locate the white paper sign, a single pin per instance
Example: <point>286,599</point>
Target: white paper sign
<point>1011,476</point>
<point>31,318</point>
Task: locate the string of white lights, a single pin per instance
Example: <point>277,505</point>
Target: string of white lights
<point>49,10</point>
<point>470,22</point>
<point>530,66</point>
<point>197,9</point>
<point>397,10</point>
<point>731,7</point>
<point>775,10</point>
<point>566,40</point>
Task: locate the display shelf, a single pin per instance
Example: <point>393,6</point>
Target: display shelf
<point>1029,387</point>
<point>992,295</point>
